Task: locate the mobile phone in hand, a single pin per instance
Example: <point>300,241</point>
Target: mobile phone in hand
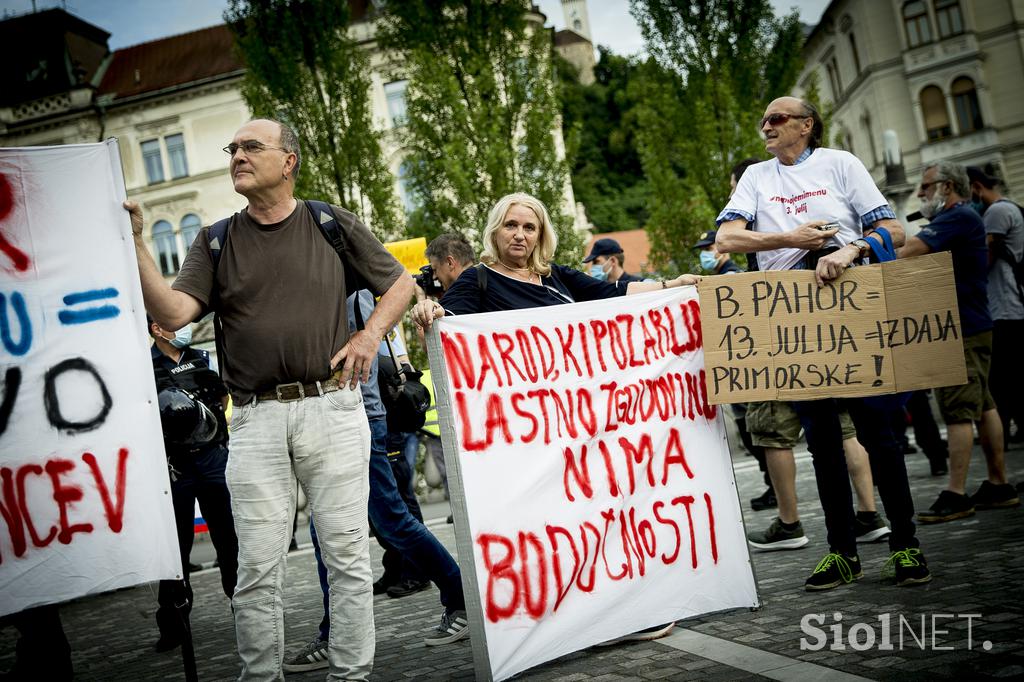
<point>829,226</point>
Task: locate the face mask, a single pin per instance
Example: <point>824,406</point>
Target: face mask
<point>182,337</point>
<point>598,273</point>
<point>708,260</point>
<point>979,206</point>
<point>930,209</point>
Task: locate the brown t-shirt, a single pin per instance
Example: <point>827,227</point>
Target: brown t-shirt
<point>282,295</point>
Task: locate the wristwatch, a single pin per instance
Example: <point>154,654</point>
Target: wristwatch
<point>863,245</point>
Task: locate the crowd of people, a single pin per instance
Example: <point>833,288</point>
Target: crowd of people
<point>302,374</point>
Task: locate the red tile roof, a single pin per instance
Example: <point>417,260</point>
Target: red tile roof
<point>177,60</point>
<point>634,245</point>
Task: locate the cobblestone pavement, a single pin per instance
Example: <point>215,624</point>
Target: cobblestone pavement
<point>976,563</point>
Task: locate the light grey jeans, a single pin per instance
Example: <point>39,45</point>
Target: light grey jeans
<point>325,442</point>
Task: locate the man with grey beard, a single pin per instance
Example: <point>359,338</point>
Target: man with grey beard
<point>956,228</point>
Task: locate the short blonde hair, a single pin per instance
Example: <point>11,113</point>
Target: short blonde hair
<point>547,241</point>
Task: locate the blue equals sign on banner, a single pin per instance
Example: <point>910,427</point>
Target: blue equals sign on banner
<point>91,314</point>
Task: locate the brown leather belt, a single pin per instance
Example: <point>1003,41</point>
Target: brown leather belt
<point>286,393</point>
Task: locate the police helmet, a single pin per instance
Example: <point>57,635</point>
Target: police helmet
<point>184,418</point>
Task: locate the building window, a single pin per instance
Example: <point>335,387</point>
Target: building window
<point>166,247</point>
<point>965,104</point>
<point>915,18</point>
<point>176,155</point>
<point>153,161</point>
<point>190,226</point>
<point>395,94</point>
<point>833,78</point>
<point>936,118</point>
<point>853,51</point>
<point>404,190</point>
<point>947,14</point>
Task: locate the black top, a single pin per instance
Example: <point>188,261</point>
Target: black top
<point>563,285</point>
<point>728,268</point>
<point>192,372</point>
<point>626,278</point>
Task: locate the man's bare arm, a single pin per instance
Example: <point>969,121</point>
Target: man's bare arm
<point>734,237</point>
<point>171,309</point>
<point>895,228</point>
<point>914,247</point>
<point>358,354</point>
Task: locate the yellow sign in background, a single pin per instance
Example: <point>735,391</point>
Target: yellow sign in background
<point>410,253</point>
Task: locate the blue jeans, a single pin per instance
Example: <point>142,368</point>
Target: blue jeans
<point>396,526</point>
<point>325,442</point>
<point>820,419</point>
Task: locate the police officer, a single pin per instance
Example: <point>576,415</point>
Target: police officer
<point>192,401</point>
<point>710,259</point>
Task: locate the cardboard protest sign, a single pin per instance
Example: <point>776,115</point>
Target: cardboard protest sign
<point>85,500</point>
<point>590,477</point>
<point>878,329</point>
<point>411,253</point>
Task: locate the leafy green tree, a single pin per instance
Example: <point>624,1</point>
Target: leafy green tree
<point>599,126</point>
<point>304,69</point>
<point>714,67</point>
<point>482,113</point>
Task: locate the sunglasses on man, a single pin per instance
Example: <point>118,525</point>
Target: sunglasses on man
<point>779,119</point>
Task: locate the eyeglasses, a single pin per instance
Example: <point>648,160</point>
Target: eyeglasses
<point>926,185</point>
<point>249,147</point>
<point>779,119</point>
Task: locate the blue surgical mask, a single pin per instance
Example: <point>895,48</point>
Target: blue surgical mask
<point>182,337</point>
<point>708,260</point>
<point>598,272</point>
<point>978,206</point>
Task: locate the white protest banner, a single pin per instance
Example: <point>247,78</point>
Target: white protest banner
<point>84,494</point>
<point>598,492</point>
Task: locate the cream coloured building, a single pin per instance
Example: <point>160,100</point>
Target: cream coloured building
<point>172,103</point>
<point>946,76</point>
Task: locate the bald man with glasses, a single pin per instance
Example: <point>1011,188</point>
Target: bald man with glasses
<point>788,200</point>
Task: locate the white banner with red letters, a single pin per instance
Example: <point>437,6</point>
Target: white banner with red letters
<point>597,480</point>
<point>84,495</point>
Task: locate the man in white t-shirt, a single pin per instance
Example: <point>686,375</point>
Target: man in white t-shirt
<point>789,199</point>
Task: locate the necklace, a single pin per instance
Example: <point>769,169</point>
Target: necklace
<point>529,272</point>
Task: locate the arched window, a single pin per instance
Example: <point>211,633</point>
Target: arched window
<point>166,248</point>
<point>190,225</point>
<point>936,118</point>
<point>915,19</point>
<point>965,104</point>
<point>947,14</point>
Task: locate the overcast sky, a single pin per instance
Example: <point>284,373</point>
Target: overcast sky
<point>137,21</point>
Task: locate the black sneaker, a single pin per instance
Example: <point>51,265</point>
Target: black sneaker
<point>777,537</point>
<point>452,628</point>
<point>870,529</point>
<point>907,567</point>
<point>765,500</point>
<point>313,656</point>
<point>407,587</point>
<point>992,496</point>
<point>947,507</point>
<point>832,571</point>
<point>382,586</point>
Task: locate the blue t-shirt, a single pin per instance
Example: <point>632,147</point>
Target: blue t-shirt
<point>563,285</point>
<point>961,231</point>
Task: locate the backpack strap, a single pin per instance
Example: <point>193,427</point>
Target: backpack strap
<point>218,240</point>
<point>325,218</point>
<point>885,251</point>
